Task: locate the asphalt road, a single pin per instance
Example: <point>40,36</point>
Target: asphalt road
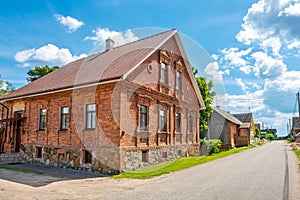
<point>266,172</point>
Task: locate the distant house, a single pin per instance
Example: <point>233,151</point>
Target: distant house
<point>248,119</point>
<point>296,128</point>
<point>269,131</point>
<point>257,126</point>
<point>121,109</point>
<point>229,129</point>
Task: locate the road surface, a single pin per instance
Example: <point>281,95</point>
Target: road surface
<point>266,172</point>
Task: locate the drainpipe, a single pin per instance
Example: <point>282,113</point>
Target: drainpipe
<point>6,126</point>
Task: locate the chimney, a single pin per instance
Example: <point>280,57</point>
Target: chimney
<point>109,44</point>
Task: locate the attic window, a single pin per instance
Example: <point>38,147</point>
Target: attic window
<point>178,80</point>
<point>164,73</point>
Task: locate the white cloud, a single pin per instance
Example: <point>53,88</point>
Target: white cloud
<point>294,44</point>
<point>269,18</point>
<point>273,43</point>
<point>288,82</point>
<point>120,38</point>
<point>214,56</point>
<point>212,70</point>
<point>234,56</point>
<point>48,54</point>
<point>242,85</point>
<point>291,10</point>
<point>266,66</point>
<point>246,69</point>
<point>71,23</point>
<point>227,71</point>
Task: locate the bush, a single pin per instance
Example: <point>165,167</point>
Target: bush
<point>269,136</point>
<point>291,139</point>
<point>211,146</point>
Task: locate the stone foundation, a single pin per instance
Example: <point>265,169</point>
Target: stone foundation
<point>108,159</point>
<point>10,158</point>
<point>134,159</point>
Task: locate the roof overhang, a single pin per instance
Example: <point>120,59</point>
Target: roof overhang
<point>61,90</point>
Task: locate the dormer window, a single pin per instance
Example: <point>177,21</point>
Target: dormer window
<point>164,73</point>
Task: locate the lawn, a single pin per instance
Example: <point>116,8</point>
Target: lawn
<point>175,165</point>
<point>297,152</point>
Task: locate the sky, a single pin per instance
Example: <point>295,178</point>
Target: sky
<point>253,46</point>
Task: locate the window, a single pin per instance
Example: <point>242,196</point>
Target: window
<point>190,124</point>
<point>90,121</point>
<point>163,120</point>
<point>178,122</point>
<point>39,153</point>
<point>178,80</point>
<point>64,118</point>
<point>143,118</point>
<point>87,157</point>
<point>164,73</point>
<point>42,119</point>
<point>145,156</point>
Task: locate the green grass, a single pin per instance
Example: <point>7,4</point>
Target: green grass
<point>297,152</point>
<point>20,170</point>
<point>175,165</point>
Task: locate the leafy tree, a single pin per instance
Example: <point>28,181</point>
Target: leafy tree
<point>270,136</point>
<point>206,89</point>
<point>257,132</point>
<point>39,72</point>
<point>5,87</point>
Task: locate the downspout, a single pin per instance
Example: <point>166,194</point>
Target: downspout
<point>6,126</point>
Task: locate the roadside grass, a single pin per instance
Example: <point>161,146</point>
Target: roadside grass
<point>20,170</point>
<point>297,152</point>
<point>175,165</point>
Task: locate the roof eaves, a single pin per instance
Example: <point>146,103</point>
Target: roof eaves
<point>56,90</point>
<point>190,72</point>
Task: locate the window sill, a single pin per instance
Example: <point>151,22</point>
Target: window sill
<point>163,132</point>
<point>89,129</point>
<point>178,133</point>
<point>165,85</point>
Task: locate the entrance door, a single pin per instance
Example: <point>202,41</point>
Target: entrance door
<point>18,130</point>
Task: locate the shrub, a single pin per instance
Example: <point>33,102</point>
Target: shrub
<point>269,136</point>
<point>291,139</point>
<point>211,146</point>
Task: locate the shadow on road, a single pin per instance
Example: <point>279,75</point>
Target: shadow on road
<point>39,175</point>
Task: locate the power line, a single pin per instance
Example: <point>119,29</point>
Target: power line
<point>263,99</point>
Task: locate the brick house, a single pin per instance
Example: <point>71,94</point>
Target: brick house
<point>121,109</point>
<point>229,129</point>
<point>247,118</point>
<point>296,128</point>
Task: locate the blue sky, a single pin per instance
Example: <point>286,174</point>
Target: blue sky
<point>254,45</point>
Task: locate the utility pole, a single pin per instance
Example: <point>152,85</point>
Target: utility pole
<point>298,95</point>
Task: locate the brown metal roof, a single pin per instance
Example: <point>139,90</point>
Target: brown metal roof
<point>107,65</point>
<point>110,65</point>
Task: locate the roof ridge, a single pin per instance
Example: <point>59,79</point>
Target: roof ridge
<point>150,36</point>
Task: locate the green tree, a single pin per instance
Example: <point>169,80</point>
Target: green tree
<point>270,136</point>
<point>39,72</point>
<point>5,87</point>
<point>257,132</point>
<point>206,89</point>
